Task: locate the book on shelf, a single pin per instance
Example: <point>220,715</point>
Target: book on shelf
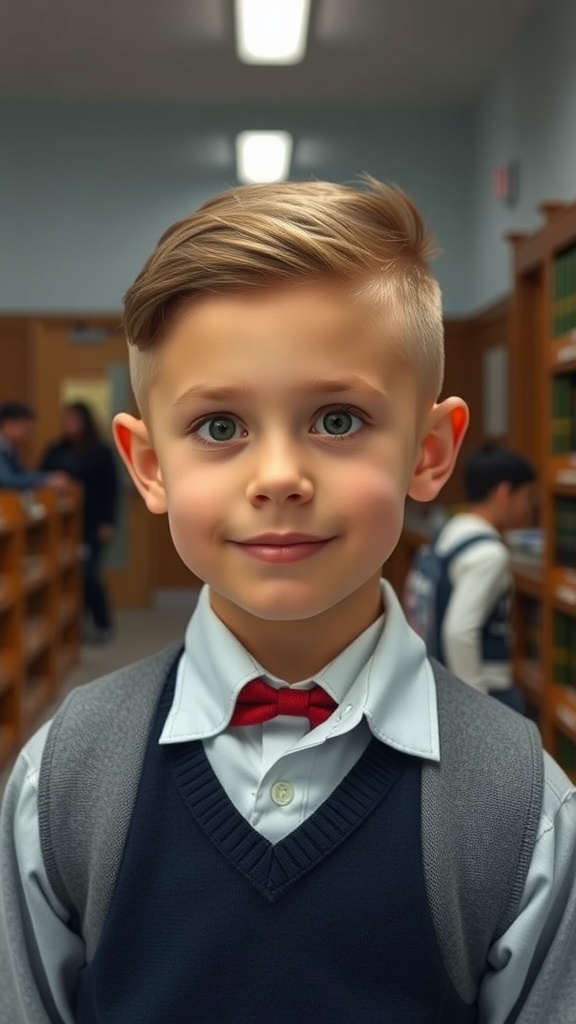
<point>563,413</point>
<point>564,292</point>
<point>565,532</point>
<point>564,651</point>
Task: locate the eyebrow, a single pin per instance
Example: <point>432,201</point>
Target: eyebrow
<point>313,386</point>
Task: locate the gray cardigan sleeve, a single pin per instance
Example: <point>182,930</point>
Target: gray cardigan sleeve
<point>28,968</point>
<point>549,993</point>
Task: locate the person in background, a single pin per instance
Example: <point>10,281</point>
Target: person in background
<point>81,453</point>
<point>474,627</point>
<point>16,420</point>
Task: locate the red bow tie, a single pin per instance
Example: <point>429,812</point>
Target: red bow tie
<point>259,702</point>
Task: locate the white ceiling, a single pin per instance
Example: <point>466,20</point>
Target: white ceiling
<point>369,53</point>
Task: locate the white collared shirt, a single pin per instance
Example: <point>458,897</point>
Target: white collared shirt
<point>385,687</point>
<point>280,772</point>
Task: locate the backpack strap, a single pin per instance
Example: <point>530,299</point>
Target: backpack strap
<point>463,545</point>
<point>481,807</point>
<point>89,777</point>
<point>434,640</point>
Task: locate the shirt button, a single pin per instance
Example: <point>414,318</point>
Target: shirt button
<point>282,793</point>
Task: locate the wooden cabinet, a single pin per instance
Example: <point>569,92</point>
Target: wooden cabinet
<point>40,605</point>
<point>543,425</point>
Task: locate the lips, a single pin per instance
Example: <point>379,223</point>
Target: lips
<point>281,548</point>
<point>283,540</point>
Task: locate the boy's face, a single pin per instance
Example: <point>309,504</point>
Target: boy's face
<point>283,436</point>
<point>518,507</point>
<point>18,431</point>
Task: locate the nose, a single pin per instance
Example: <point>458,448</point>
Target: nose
<point>279,475</point>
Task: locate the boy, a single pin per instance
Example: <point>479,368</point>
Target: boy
<point>476,582</point>
<point>296,817</point>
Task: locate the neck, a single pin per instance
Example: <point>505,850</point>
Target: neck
<point>485,511</point>
<point>300,648</point>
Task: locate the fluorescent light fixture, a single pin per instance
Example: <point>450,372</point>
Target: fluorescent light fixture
<point>271,31</point>
<point>263,156</point>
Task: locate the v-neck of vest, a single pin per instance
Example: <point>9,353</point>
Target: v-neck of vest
<point>273,867</point>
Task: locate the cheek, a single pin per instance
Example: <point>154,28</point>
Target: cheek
<point>191,502</point>
<point>191,522</point>
<point>376,500</point>
<point>188,500</point>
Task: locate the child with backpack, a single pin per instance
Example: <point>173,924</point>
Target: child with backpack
<point>458,591</point>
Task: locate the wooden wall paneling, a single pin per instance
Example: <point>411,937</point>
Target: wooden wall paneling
<point>488,330</point>
<point>15,358</point>
<point>460,378</point>
<point>467,342</point>
<point>16,355</point>
<point>529,311</point>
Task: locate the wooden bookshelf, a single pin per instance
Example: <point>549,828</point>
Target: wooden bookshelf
<point>543,426</point>
<point>528,578</point>
<point>528,588</point>
<point>40,606</point>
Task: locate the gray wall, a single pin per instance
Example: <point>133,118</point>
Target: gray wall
<point>528,113</point>
<point>85,190</point>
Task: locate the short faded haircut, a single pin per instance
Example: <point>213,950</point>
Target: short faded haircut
<point>258,236</point>
<point>489,466</point>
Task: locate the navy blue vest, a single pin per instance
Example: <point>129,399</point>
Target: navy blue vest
<point>212,924</point>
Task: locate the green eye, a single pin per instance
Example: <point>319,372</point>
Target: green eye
<point>219,428</point>
<point>222,429</point>
<point>337,422</point>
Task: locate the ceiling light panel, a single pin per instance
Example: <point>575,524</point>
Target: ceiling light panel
<point>263,156</point>
<point>271,31</point>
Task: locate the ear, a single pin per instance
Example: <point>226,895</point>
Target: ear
<point>444,432</point>
<point>137,452</point>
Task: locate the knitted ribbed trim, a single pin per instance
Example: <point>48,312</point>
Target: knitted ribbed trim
<point>273,868</point>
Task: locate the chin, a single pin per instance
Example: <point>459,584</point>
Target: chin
<point>286,611</point>
<point>275,604</point>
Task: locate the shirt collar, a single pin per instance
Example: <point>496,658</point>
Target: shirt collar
<point>384,675</point>
<point>473,521</point>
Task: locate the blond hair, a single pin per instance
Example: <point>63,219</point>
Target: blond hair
<point>265,235</point>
